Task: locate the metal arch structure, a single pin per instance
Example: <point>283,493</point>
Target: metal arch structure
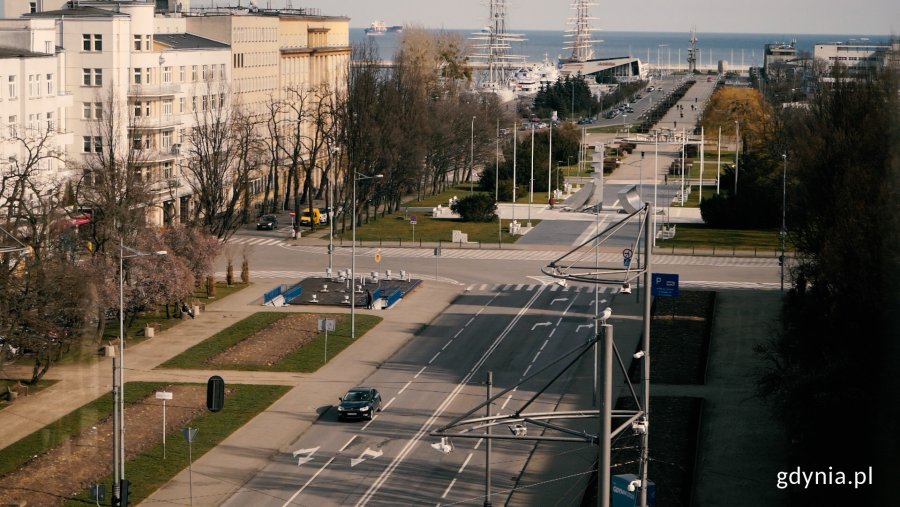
<point>15,246</point>
<point>571,266</point>
<point>574,264</point>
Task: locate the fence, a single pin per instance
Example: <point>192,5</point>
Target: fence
<point>272,294</point>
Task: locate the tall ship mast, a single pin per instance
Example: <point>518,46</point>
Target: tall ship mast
<point>580,32</point>
<point>493,45</point>
<point>692,52</point>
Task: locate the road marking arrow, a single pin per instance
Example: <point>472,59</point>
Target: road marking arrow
<point>362,457</point>
<point>539,324</point>
<point>577,329</point>
<point>308,455</point>
<point>559,299</point>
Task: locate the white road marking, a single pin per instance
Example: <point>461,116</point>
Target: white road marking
<point>478,443</point>
<point>362,457</point>
<point>540,324</point>
<point>526,371</point>
<point>458,332</point>
<point>291,499</point>
<point>553,331</point>
<point>446,345</point>
<point>503,407</point>
<point>433,358</point>
<point>466,462</point>
<point>348,442</point>
<point>388,404</point>
<point>577,329</point>
<point>307,452</point>
<point>536,356</point>
<point>420,372</point>
<point>470,321</point>
<point>446,491</point>
<point>404,387</point>
<point>385,475</point>
<point>545,343</point>
<point>365,426</point>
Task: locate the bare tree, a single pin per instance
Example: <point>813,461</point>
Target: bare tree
<point>223,153</point>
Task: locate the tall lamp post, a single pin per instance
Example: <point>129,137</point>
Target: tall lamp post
<point>783,213</point>
<point>737,152</point>
<point>119,390</point>
<point>472,159</point>
<point>356,177</point>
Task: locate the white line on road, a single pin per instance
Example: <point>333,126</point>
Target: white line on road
<point>368,423</point>
<point>545,343</point>
<point>379,482</point>
<point>388,404</point>
<point>470,321</point>
<point>446,345</point>
<point>433,358</point>
<point>466,462</point>
<point>348,442</point>
<point>478,443</point>
<point>458,332</point>
<point>446,491</point>
<point>536,356</point>
<point>526,371</point>
<point>506,402</point>
<point>404,387</point>
<point>420,372</point>
<point>551,332</point>
<point>291,499</point>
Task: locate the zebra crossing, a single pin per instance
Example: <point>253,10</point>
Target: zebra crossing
<point>508,287</point>
<point>252,240</point>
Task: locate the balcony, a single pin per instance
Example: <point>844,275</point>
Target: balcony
<point>148,90</point>
<point>154,122</point>
<point>150,155</point>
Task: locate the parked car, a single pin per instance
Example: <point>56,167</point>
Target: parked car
<point>268,222</point>
<point>325,213</point>
<point>359,403</point>
<point>305,216</point>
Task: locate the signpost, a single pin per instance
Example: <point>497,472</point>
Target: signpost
<point>189,435</point>
<point>665,285</point>
<point>164,396</point>
<point>326,325</point>
<point>626,257</point>
<point>413,222</point>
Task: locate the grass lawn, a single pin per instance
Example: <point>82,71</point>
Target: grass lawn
<point>442,198</point>
<point>396,227</point>
<point>308,358</point>
<point>701,236</point>
<point>148,471</point>
<point>693,200</point>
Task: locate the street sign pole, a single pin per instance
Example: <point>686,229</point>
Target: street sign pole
<point>326,325</point>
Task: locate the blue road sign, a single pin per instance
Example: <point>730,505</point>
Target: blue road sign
<point>665,285</point>
<point>626,261</point>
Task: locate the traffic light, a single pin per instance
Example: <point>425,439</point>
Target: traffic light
<point>781,260</point>
<point>642,154</point>
<point>215,393</point>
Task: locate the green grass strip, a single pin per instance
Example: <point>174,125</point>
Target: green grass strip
<point>149,471</point>
<point>307,358</point>
<point>701,236</point>
<point>73,423</point>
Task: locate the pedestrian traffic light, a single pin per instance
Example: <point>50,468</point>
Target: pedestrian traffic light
<point>642,154</point>
<point>215,393</point>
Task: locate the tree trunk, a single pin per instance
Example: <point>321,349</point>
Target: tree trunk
<point>229,275</point>
<point>245,271</point>
<point>211,286</point>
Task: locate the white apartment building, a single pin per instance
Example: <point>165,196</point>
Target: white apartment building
<point>856,57</point>
<point>33,98</point>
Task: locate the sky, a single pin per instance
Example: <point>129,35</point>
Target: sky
<point>860,17</point>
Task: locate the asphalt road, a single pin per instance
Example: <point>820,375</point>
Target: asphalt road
<point>514,331</point>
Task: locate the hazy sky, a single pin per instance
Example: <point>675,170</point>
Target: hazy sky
<point>861,17</point>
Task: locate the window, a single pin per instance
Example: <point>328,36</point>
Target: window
<point>194,104</point>
<point>167,170</point>
<point>50,122</point>
<point>181,73</point>
<point>32,7</point>
<point>167,108</point>
<point>98,144</point>
<point>86,110</point>
<point>12,121</point>
<point>180,104</point>
<point>86,144</point>
<point>193,73</point>
<point>89,144</point>
<point>147,42</point>
<point>48,47</point>
<point>34,85</point>
<point>167,74</point>
<point>13,87</point>
<point>205,72</point>
<point>92,77</point>
<point>49,84</point>
<point>86,77</point>
<point>137,109</point>
<point>98,110</point>
<point>167,139</point>
<point>205,102</point>
<point>138,74</point>
<point>222,71</point>
<point>92,42</point>
<point>98,77</point>
<point>137,42</point>
<point>221,100</point>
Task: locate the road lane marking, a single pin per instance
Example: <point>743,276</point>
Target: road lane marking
<point>404,387</point>
<point>470,321</point>
<point>435,357</point>
<point>446,491</point>
<point>545,343</point>
<point>536,356</point>
<point>458,332</point>
<point>291,499</point>
<point>388,404</point>
<point>305,459</point>
<point>503,407</point>
<point>466,462</point>
<point>420,372</point>
<point>526,371</point>
<point>368,423</point>
<point>478,443</point>
<point>541,324</point>
<point>446,345</point>
<point>385,475</point>
<point>368,453</point>
<point>348,442</point>
<point>552,331</point>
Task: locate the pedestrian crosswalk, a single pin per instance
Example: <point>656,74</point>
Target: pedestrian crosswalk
<point>253,240</point>
<point>509,287</point>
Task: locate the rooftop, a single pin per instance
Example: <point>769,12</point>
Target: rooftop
<point>187,41</point>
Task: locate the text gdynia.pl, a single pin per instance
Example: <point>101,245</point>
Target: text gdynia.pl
<point>831,477</point>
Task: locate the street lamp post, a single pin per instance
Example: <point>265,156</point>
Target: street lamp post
<point>356,177</point>
<point>472,159</point>
<point>737,152</point>
<point>783,214</point>
<point>119,391</point>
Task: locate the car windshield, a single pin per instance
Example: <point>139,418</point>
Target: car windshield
<point>268,218</point>
<point>357,396</point>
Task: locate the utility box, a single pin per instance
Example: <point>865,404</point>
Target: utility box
<point>621,497</point>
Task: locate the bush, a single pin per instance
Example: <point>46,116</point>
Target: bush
<point>476,208</point>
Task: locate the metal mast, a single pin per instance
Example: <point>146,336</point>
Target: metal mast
<point>580,31</point>
<point>692,52</point>
<point>493,45</point>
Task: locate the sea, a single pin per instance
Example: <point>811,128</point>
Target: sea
<point>666,49</point>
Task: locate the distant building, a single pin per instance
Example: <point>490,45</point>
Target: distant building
<point>625,69</point>
<point>856,57</point>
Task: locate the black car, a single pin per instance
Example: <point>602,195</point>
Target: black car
<point>359,403</point>
<point>267,222</point>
